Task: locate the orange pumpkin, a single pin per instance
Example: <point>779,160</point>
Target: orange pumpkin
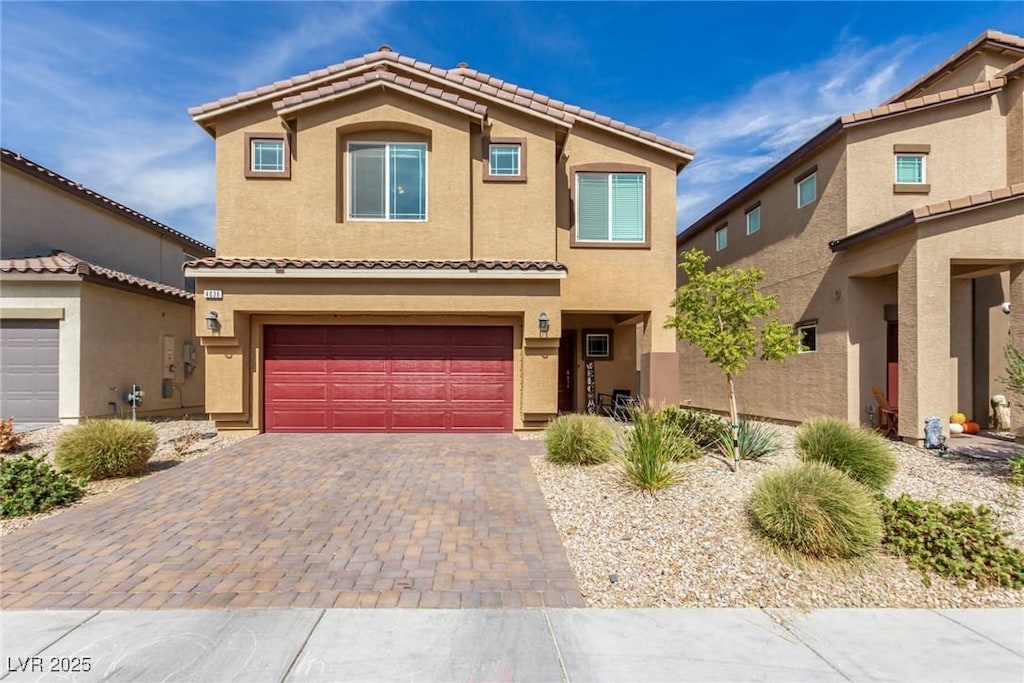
<point>958,418</point>
<point>971,428</point>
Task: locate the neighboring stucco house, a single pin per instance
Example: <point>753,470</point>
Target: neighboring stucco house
<point>92,300</point>
<point>893,237</point>
<point>405,247</point>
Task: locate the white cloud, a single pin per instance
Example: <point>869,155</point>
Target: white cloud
<point>741,136</point>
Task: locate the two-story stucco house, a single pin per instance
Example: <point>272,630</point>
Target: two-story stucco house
<point>894,238</point>
<point>405,247</point>
<point>92,300</point>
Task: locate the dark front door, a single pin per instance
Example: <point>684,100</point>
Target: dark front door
<point>567,372</point>
<point>892,365</point>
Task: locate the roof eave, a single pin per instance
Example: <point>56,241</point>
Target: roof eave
<point>383,85</point>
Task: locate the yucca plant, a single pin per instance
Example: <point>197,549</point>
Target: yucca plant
<point>756,439</point>
<point>579,440</point>
<point>817,511</point>
<point>652,451</point>
<point>856,451</point>
<point>101,449</point>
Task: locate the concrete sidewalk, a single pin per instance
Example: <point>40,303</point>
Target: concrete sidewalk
<point>514,645</point>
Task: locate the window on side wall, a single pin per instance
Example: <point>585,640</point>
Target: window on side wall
<point>611,209</point>
<point>754,220</point>
<point>806,189</point>
<point>387,181</point>
<point>808,331</point>
<point>267,155</point>
<point>505,159</point>
<point>721,238</point>
<point>597,345</point>
<point>910,169</point>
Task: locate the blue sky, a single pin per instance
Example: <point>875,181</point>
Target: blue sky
<point>98,91</point>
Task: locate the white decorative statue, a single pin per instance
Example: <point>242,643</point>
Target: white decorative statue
<point>1000,413</point>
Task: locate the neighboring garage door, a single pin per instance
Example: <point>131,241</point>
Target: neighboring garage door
<point>350,378</point>
<point>28,370</point>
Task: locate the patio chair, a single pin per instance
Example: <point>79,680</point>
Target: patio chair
<point>616,404</point>
<point>889,416</point>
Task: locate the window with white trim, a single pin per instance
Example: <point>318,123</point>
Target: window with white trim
<point>267,155</point>
<point>597,345</point>
<point>721,238</point>
<point>808,336</point>
<point>610,207</point>
<point>807,190</point>
<point>504,159</point>
<point>387,181</point>
<point>910,169</point>
<point>753,220</point>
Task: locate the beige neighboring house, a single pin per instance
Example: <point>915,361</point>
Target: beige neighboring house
<point>894,238</point>
<point>93,299</point>
<point>402,247</point>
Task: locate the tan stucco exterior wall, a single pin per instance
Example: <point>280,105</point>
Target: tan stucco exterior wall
<point>38,218</point>
<point>982,67</point>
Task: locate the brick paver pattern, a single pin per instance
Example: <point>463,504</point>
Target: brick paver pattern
<point>307,520</point>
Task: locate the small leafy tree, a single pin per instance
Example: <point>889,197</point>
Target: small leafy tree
<point>1014,379</point>
<point>719,313</point>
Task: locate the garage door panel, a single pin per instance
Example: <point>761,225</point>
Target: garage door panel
<point>390,378</point>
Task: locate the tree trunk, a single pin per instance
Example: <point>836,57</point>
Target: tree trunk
<point>734,424</point>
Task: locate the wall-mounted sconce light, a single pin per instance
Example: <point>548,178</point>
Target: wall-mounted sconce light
<point>543,322</point>
<point>212,323</point>
<point>1006,307</point>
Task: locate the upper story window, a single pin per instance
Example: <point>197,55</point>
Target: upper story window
<point>911,168</point>
<point>722,238</point>
<point>754,220</point>
<point>808,331</point>
<point>611,208</point>
<point>505,159</point>
<point>807,189</point>
<point>387,181</point>
<point>267,155</point>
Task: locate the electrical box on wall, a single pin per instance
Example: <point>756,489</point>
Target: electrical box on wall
<point>168,358</point>
<point>167,388</point>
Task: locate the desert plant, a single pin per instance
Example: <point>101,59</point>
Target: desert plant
<point>858,452</point>
<point>816,511</point>
<point>652,451</point>
<point>1016,464</point>
<point>700,425</point>
<point>957,541</point>
<point>9,440</point>
<point>100,449</point>
<point>756,440</point>
<point>29,484</point>
<point>579,440</point>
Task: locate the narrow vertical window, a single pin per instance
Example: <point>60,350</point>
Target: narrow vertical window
<point>721,238</point>
<point>806,190</point>
<point>753,220</point>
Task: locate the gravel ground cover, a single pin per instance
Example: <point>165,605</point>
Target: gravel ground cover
<point>691,545</point>
<point>178,441</point>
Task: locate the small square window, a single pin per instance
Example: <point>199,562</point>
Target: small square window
<point>808,337</point>
<point>597,345</point>
<point>266,155</point>
<point>910,169</point>
<point>504,159</point>
<point>807,190</point>
<point>753,220</point>
<point>721,238</point>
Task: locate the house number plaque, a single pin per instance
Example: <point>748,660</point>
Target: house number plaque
<point>589,383</point>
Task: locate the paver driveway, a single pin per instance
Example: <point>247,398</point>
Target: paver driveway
<point>320,520</point>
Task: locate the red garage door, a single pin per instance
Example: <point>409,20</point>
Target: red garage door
<point>328,378</point>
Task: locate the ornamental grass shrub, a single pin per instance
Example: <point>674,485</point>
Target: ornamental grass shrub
<point>701,426</point>
<point>29,485</point>
<point>579,440</point>
<point>756,439</point>
<point>856,451</point>
<point>957,541</point>
<point>815,510</point>
<point>101,449</point>
<point>653,450</point>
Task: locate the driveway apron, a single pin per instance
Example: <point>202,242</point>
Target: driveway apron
<point>307,520</point>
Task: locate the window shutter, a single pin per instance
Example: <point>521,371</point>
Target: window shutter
<point>408,182</point>
<point>628,207</point>
<point>592,206</point>
<point>367,195</point>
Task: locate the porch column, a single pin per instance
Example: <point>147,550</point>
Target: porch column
<point>659,362</point>
<point>926,369</point>
<point>1017,339</point>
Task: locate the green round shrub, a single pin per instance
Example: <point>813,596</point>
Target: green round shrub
<point>701,426</point>
<point>579,440</point>
<point>29,485</point>
<point>858,452</point>
<point>101,449</point>
<point>817,511</point>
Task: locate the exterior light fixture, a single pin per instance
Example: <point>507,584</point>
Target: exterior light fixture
<point>212,323</point>
<point>542,322</point>
<point>1006,307</point>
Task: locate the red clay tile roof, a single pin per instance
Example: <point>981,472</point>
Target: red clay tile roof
<point>462,76</point>
<point>989,39</point>
<point>367,264</point>
<point>359,82</point>
<point>929,212</point>
<point>63,262</point>
<point>55,179</point>
<point>962,93</point>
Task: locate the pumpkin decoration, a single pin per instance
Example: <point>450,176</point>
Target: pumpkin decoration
<point>955,429</point>
<point>958,418</point>
<point>971,428</point>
